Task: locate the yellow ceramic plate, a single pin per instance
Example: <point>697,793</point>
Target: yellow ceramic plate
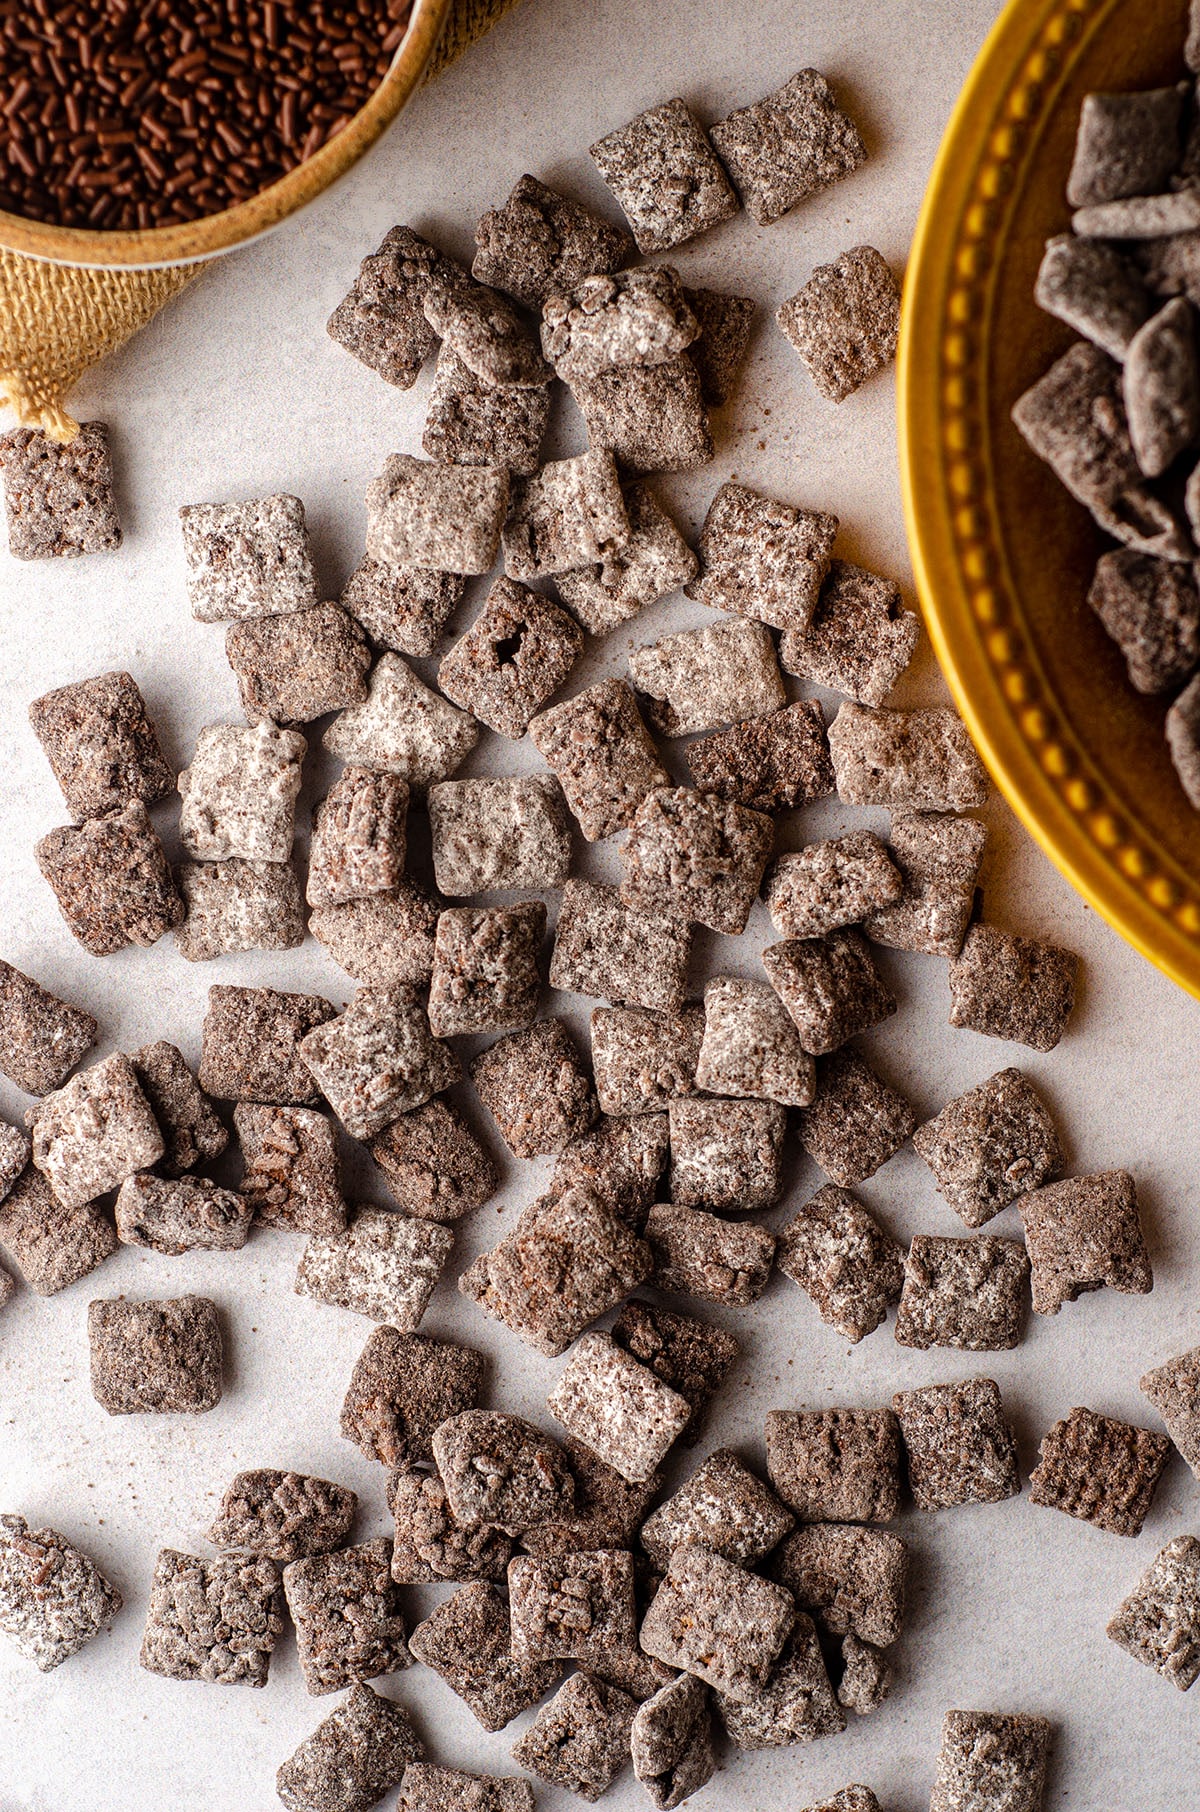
<point>1003,556</point>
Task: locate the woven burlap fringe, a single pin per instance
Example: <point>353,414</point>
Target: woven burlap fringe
<point>56,322</point>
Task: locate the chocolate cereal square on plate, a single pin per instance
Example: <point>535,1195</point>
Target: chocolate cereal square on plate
<point>702,678</point>
<point>569,514</point>
<point>485,975</point>
<point>404,608</point>
<point>101,744</point>
<point>580,1740</point>
<point>181,1214</point>
<point>860,638</point>
<point>617,1407</point>
<point>830,986</point>
<point>382,937</point>
<point>840,1256</point>
<point>571,1607</point>
<point>430,1789</point>
<point>643,1060</point>
<point>796,1704</point>
<point>282,1515</point>
<point>694,856</point>
<point>655,561</point>
<point>291,1175</point>
<point>251,559</point>
<point>990,1146</point>
<point>434,1165</point>
<point>851,1579</point>
<point>536,1088</point>
<point>723,1506</point>
<point>192,1133</point>
<point>381,320</point>
<point>691,1356</point>
<point>112,880</point>
<point>726,1156</point>
<point>963,1292</point>
<point>401,1388</point>
<point>1183,739</point>
<point>155,1358</point>
<point>845,322</point>
<point>923,760</point>
<point>762,558</point>
<point>662,170</point>
<point>652,418</point>
<point>835,1465</point>
<point>58,495</point>
<point>352,1759</point>
<point>508,832</point>
<point>239,793</point>
<point>621,1161</point>
<point>445,518</point>
<point>699,1254</point>
<point>293,668</point>
<point>378,1059</point>
<point>715,1620</point>
<point>238,905</point>
<point>1018,988</point>
<point>672,1742</point>
<point>250,1047</point>
<point>938,857</point>
<point>1094,289</point>
<point>473,423</point>
<point>750,1045</point>
<point>720,352</point>
<point>635,317</point>
<point>540,243</point>
<point>384,1265</point>
<point>498,1469</point>
<point>771,763</point>
<point>855,1122</point>
<point>1126,144</point>
<point>789,145</point>
<point>1161,386</point>
<point>359,838</point>
<point>991,1758</point>
<point>94,1132</point>
<point>53,1599</point>
<point>42,1038</point>
<point>1159,1623</point>
<point>466,1639</point>
<point>1099,1469</point>
<point>603,756</point>
<point>1174,1390</point>
<point>959,1447</point>
<point>827,886</point>
<point>514,657</point>
<point>52,1245</point>
<point>614,951</point>
<point>346,1612</point>
<point>1151,609</point>
<point>212,1620</point>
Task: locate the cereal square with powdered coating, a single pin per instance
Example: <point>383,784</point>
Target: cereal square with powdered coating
<point>855,1122</point>
<point>446,519</point>
<point>651,418</point>
<point>580,1740</point>
<point>1099,1469</point>
<point>541,243</point>
<point>380,320</point>
<point>402,727</point>
<point>614,951</point>
<point>840,1256</point>
<point>1126,144</point>
<point>282,1515</point>
<point>795,1705</point>
<point>829,885</point>
<point>251,559</point>
<point>617,1407</point>
<point>181,1214</point>
<point>515,656</point>
<point>238,905</point>
<point>569,514</point>
<point>788,146</point>
<point>642,1060</point>
<point>726,1155</point>
<point>717,1621</point>
<point>991,1758</point>
<point>967,1293</point>
<point>498,1469</point>
<point>507,832</point>
<point>835,1465</point>
<point>383,1265</point>
<point>603,756</point>
<point>845,321</point>
<point>352,1759</point>
<point>470,422</point>
<point>435,1166</point>
<point>958,1445</point>
<point>192,1133</point>
<point>293,668</point>
<point>720,352</point>
<point>536,1088</point>
<point>830,987</point>
<point>42,1038</point>
<point>851,1579</point>
<point>239,793</point>
<point>466,1639</point>
<point>771,763</point>
<point>14,1156</point>
<point>702,678</point>
<point>347,1616</point>
<point>991,1145</point>
<point>632,317</point>
<point>486,975</point>
<point>1174,1390</point>
<point>432,1542</point>
<point>662,169</point>
<point>112,880</point>
<point>490,336</point>
<point>655,561</point>
<point>694,856</point>
<point>1151,609</point>
<point>101,744</point>
<point>402,608</point>
<point>53,1599</point>
<point>1183,739</point>
<point>53,1246</point>
<point>291,1175</point>
<point>58,495</point>
<point>672,1742</point>
<point>762,558</point>
<point>430,1789</point>
<point>750,1045</point>
<point>938,857</point>
<point>1020,988</point>
<point>692,1356</point>
<point>157,1358</point>
<point>608,1512</point>
<point>699,1254</point>
<point>923,760</point>
<point>382,937</point>
<point>94,1132</point>
<point>378,1059</point>
<point>621,1160</point>
<point>571,1607</point>
<point>866,1681</point>
<point>1094,289</point>
<point>401,1388</point>
<point>1159,1623</point>
<point>359,838</point>
<point>860,639</point>
<point>723,1506</point>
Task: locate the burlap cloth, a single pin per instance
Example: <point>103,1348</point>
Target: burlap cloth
<point>56,321</point>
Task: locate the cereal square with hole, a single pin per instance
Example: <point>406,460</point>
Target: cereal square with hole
<point>536,1087</point>
<point>432,1542</point>
<point>827,886</point>
<point>621,1161</point>
<point>238,905</point>
<point>967,1293</point>
<point>470,422</point>
<point>750,1046</point>
<point>699,1254</point>
<point>726,1155</point>
<point>991,1758</point>
<point>1159,1623</point>
<point>101,744</point>
<point>293,668</point>
<point>845,321</point>
<point>444,518</point>
<point>694,856</point>
<point>42,1038</point>
<point>1020,988</point>
<point>762,558</point>
<point>382,937</point>
<point>383,1265</point>
<point>94,1132</point>
<point>724,1507</point>
<point>632,317</point>
<point>486,975</point>
<point>1099,1469</point>
<point>938,857</point>
<point>53,1598</point>
<point>569,514</point>
<point>251,559</point>
<point>155,1358</point>
<point>851,1579</point>
<point>922,760</point>
<point>58,495</point>
<point>53,1246</point>
<point>788,146</point>
<point>830,987</point>
<point>663,171</point>
<point>617,1407</point>
<point>352,1759</point>
<point>514,657</point>
<point>614,951</point>
<point>717,1621</point>
<point>291,1172</point>
<point>434,1165</point>
<point>491,337</point>
<point>378,1059</point>
<point>572,1607</point>
<point>643,1060</point>
<point>990,1146</point>
<point>1084,1234</point>
<point>402,1387</point>
<point>580,1740</point>
<point>692,1356</point>
<point>840,1256</point>
<point>181,1214</point>
<point>359,838</point>
<point>672,1741</point>
<point>347,1616</point>
<point>380,320</point>
<point>499,1469</point>
<point>212,1620</point>
<point>541,243</point>
<point>702,678</point>
<point>655,561</point>
<point>192,1133</point>
<point>771,764</point>
<point>603,755</point>
<point>651,418</point>
<point>402,728</point>
<point>499,833</point>
<point>835,1465</point>
<point>720,352</point>
<point>112,880</point>
<point>239,793</point>
<point>855,1121</point>
<point>796,1704</point>
<point>958,1444</point>
<point>860,638</point>
<point>466,1639</point>
<point>282,1515</point>
<point>1174,1390</point>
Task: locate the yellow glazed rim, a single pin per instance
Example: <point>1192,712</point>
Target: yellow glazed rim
<point>216,233</point>
<point>975,616</point>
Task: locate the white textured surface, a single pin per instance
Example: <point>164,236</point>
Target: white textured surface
<point>236,392</point>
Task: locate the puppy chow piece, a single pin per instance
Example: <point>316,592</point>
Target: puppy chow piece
<point>796,1704</point>
<point>567,1261</point>
<point>1162,387</point>
<point>192,1133</point>
<point>1018,988</point>
<point>726,1155</point>
<point>990,1146</point>
<point>1142,217</point>
<point>845,322</point>
<point>580,1740</point>
<point>855,1122</point>
<point>383,937</point>
<point>1095,290</point>
<point>536,1088</point>
<point>402,728</point>
<point>466,1639</point>
<point>849,1578</point>
<point>292,1177</point>
<point>358,841</point>
<point>162,1357</point>
<point>1174,1390</point>
<point>608,1512</point>
<point>347,1616</point>
<point>827,886</point>
<point>651,418</point>
<point>991,1758</point>
<point>750,1045</point>
<point>540,244</point>
<point>212,1620</point>
<point>384,1265</point>
<point>485,974</point>
<point>498,1469</point>
<point>621,1161</point>
<point>282,1515</point>
<point>923,760</point>
<point>401,1388</point>
<point>830,987</point>
<point>835,1465</point>
<point>181,1214</point>
<point>662,170</point>
<point>672,1741</point>
<point>840,1256</point>
<point>644,1060</point>
<point>1151,609</point>
<point>112,880</point>
<point>635,317</point>
<point>700,1254</point>
<point>434,1165</point>
<point>53,1599</point>
<point>963,1292</point>
<point>486,332</point>
<point>378,1059</point>
<point>761,558</point>
<point>569,514</point>
<point>724,1507</point>
<point>445,518</point>
<point>52,1245</point>
<point>615,951</point>
<point>694,856</point>
<point>617,1407</point>
<point>572,1607</point>
<point>1098,1469</point>
<point>655,561</point>
<point>712,1619</point>
<point>789,145</point>
<point>58,496</point>
<point>238,905</point>
<point>431,1542</point>
<point>1127,144</point>
<point>430,1789</point>
<point>14,1156</point>
<point>720,352</point>
<point>515,656</point>
<point>293,668</point>
<point>471,422</point>
<point>693,1357</point>
<point>239,793</point>
<point>702,678</point>
<point>42,1038</point>
<point>854,1798</point>
<point>938,857</point>
<point>603,756</point>
<point>101,744</point>
<point>866,1681</point>
<point>510,832</point>
<point>251,559</point>
<point>404,608</point>
<point>381,320</point>
<point>769,763</point>
<point>1159,1623</point>
<point>94,1132</point>
<point>1183,739</point>
<point>860,639</point>
<point>958,1445</point>
<point>351,1760</point>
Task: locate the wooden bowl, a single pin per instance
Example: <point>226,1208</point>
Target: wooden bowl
<point>216,233</point>
<point>1003,555</point>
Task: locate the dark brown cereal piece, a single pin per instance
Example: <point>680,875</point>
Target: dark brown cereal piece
<point>58,496</point>
<point>112,880</point>
<point>485,975</point>
<point>352,1759</point>
<point>515,656</point>
<point>347,1615</point>
<point>621,1161</point>
<point>830,986</point>
<point>293,668</point>
<point>854,1798</point>
<point>540,243</point>
<point>1183,739</point>
<point>1159,1623</point>
<point>923,760</point>
<point>42,1038</point>
<point>401,1388</point>
<point>726,1155</point>
<point>642,1060</point>
<point>1094,289</point>
<point>358,841</point>
<point>855,1122</point>
<point>430,1789</point>
<point>1161,387</point>
<point>445,518</point>
<point>155,1357</point>
<point>608,1512</point>
<point>662,170</point>
<point>845,321</point>
<point>694,856</point>
<point>723,1506</point>
<point>655,561</point>
<point>840,1256</point>
<point>652,418</point>
<point>835,1465</point>
<point>691,1356</point>
<point>603,756</point>
<point>568,514</point>
<point>292,1177</point>
<point>101,743</point>
<point>466,1639</point>
<point>53,1599</point>
<point>382,937</point>
<point>963,1292</point>
<point>238,905</point>
<point>860,639</point>
<point>826,886</point>
<point>750,1045</point>
<point>251,1039</point>
<point>381,320</point>
<point>866,1681</point>
<point>991,1145</point>
<point>571,1607</point>
<point>247,559</point>
<point>702,678</point>
<point>1099,1469</point>
<point>938,856</point>
<point>617,1407</point>
<point>435,1166</point>
<point>720,352</point>
<point>508,832</point>
<point>471,422</point>
<point>282,1515</point>
<point>851,1579</point>
<point>1174,1390</point>
<point>580,1740</point>
<point>796,1704</point>
<point>771,763</point>
<point>536,1088</point>
<point>958,1445</point>
<point>713,1619</point>
<point>181,1214</point>
<point>788,146</point>
<point>1018,988</point>
<point>404,608</point>
<point>213,1620</point>
<point>378,1059</point>
<point>990,1758</point>
<point>632,317</point>
<point>762,558</point>
<point>440,1543</point>
<point>499,1469</point>
<point>53,1246</point>
<point>94,1132</point>
<point>1151,609</point>
<point>702,1255</point>
<point>239,793</point>
<point>672,1741</point>
<point>384,1265</point>
<point>1127,144</point>
<point>192,1133</point>
<point>14,1156</point>
<point>489,335</point>
<point>612,950</point>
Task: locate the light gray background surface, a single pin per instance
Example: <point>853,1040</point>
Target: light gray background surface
<point>235,391</point>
